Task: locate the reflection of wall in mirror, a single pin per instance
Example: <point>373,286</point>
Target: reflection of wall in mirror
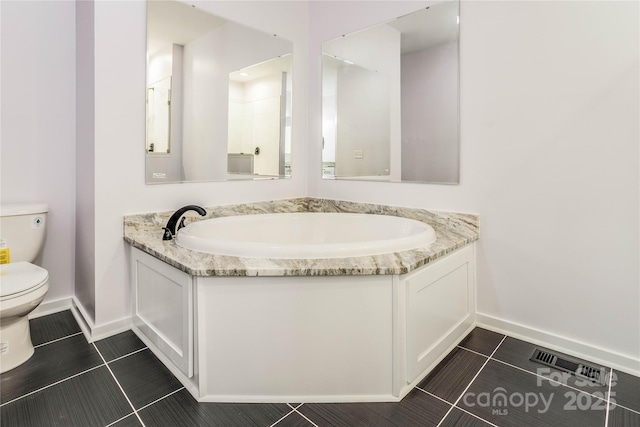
<point>286,123</point>
<point>254,120</point>
<point>367,103</point>
<point>329,113</point>
<point>166,65</point>
<point>240,164</point>
<point>205,117</point>
<point>430,114</point>
<point>363,122</point>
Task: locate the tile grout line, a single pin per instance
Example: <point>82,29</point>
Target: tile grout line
<point>303,416</point>
<point>163,397</point>
<point>299,405</point>
<point>471,382</point>
<point>56,340</point>
<point>606,417</point>
<point>617,405</point>
<point>433,395</point>
<point>119,386</point>
<point>119,419</point>
<point>473,351</point>
<point>460,409</point>
<point>474,415</point>
<point>127,355</point>
<point>51,385</point>
<point>283,417</point>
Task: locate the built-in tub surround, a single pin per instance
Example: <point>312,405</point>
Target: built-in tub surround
<point>366,328</point>
<point>453,231</point>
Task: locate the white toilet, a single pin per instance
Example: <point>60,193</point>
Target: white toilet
<point>22,285</point>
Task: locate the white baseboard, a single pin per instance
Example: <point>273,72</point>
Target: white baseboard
<point>49,307</point>
<point>93,332</point>
<point>84,320</point>
<point>555,342</point>
<point>111,328</point>
<point>90,330</point>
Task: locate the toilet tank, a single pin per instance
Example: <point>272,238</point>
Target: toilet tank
<point>22,229</point>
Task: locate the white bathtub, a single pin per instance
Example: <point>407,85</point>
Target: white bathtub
<point>305,235</point>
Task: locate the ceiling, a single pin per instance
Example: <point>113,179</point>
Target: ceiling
<point>428,27</point>
<point>165,24</point>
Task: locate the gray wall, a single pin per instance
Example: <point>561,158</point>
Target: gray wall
<point>430,114</point>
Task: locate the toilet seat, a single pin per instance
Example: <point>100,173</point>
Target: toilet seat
<point>20,278</point>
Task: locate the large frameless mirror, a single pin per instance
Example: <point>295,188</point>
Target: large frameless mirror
<point>390,98</point>
<point>218,98</point>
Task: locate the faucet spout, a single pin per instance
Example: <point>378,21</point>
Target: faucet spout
<point>170,229</point>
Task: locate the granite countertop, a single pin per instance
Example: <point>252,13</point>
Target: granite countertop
<point>453,231</point>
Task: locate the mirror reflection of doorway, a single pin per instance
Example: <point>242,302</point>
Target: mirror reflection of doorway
<point>159,116</point>
<point>259,116</point>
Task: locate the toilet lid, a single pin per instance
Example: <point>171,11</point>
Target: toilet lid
<point>18,277</point>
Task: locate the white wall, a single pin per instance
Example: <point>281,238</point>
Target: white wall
<point>85,225</point>
<point>120,40</point>
<point>430,114</point>
<point>37,142</point>
<point>549,146</point>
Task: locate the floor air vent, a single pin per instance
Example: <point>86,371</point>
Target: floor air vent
<point>594,374</point>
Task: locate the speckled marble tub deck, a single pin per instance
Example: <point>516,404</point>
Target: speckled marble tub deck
<point>453,231</point>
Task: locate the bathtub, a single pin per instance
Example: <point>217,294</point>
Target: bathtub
<point>300,313</point>
<point>306,235</point>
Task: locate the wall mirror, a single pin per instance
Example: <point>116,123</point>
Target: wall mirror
<point>390,97</point>
<point>218,98</point>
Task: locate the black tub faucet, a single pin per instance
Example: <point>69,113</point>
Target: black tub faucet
<point>170,229</point>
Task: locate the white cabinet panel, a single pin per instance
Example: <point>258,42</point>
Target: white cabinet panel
<point>163,308</point>
<point>285,338</point>
<point>439,303</point>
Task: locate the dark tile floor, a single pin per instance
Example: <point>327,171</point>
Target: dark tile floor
<point>487,380</point>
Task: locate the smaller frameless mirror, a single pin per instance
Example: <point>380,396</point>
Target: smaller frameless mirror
<point>218,98</point>
<point>390,97</point>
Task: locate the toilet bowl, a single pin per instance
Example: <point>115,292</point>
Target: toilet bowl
<point>23,286</point>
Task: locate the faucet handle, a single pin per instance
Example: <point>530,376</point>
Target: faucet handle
<point>180,225</point>
<point>167,234</point>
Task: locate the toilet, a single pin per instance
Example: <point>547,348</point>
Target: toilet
<point>23,285</point>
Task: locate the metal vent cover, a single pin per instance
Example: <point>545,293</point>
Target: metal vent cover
<point>595,374</point>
